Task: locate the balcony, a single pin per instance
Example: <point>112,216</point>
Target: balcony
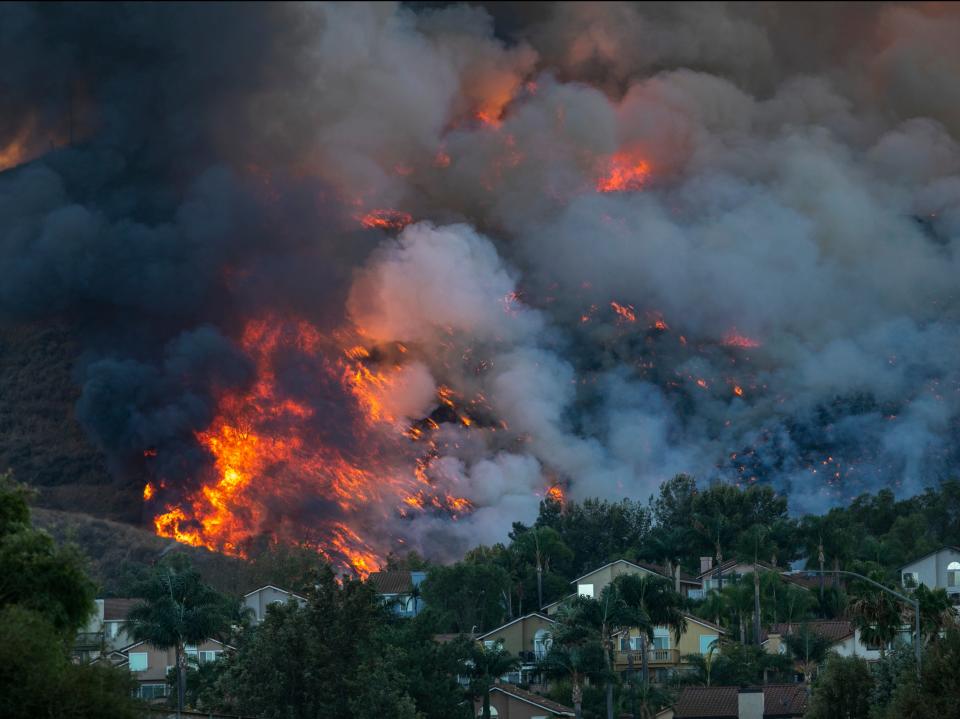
<point>696,594</point>
<point>87,641</point>
<point>655,657</point>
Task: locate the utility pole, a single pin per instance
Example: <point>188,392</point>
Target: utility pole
<point>903,598</point>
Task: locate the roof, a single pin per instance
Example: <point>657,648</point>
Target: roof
<point>395,582</point>
<point>695,620</point>
<point>779,700</point>
<point>652,568</point>
<point>117,608</point>
<point>126,649</point>
<point>534,699</point>
<point>835,630</point>
<point>518,619</point>
<point>924,556</point>
<point>275,588</point>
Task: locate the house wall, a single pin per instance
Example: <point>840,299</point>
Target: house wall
<point>932,570</point>
<point>260,600</point>
<point>518,637</point>
<point>508,707</point>
<point>605,575</point>
<point>160,660</point>
<point>689,641</point>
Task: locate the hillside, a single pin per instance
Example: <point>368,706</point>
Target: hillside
<point>117,552</point>
<point>41,440</point>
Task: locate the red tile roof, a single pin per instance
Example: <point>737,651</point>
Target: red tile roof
<point>779,700</point>
<point>833,629</point>
<point>397,582</point>
<point>536,699</point>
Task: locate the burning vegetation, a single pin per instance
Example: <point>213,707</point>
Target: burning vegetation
<point>399,290</point>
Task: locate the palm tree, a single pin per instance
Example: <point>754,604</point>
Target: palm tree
<point>577,651</point>
<point>179,609</point>
<point>489,664</point>
<point>655,604</point>
<point>540,546</point>
<point>878,617</point>
<point>808,648</point>
<point>739,597</point>
<point>936,612</point>
<point>669,546</point>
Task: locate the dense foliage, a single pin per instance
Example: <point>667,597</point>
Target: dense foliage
<point>45,598</point>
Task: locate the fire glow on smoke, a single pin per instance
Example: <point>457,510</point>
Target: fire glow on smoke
<point>390,293</point>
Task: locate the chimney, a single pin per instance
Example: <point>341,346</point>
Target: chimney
<point>750,703</point>
<point>706,564</point>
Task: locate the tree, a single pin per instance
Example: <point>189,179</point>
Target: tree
<point>541,547</point>
<point>577,651</point>
<point>878,617</point>
<point>37,678</point>
<point>842,691</point>
<point>466,597</point>
<point>936,612</point>
<point>655,604</point>
<point>45,597</point>
<point>489,663</point>
<point>936,692</point>
<point>808,648</point>
<point>178,608</point>
<point>35,573</point>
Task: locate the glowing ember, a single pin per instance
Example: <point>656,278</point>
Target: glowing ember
<point>393,220</point>
<point>148,492</point>
<point>702,383</point>
<point>625,312</point>
<point>738,390</point>
<point>624,173</point>
<point>733,339</point>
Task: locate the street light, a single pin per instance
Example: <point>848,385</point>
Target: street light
<point>902,597</point>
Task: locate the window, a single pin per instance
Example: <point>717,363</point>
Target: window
<point>152,691</point>
<point>488,643</point>
<point>493,711</point>
<point>541,643</point>
<point>910,579</point>
<point>585,590</point>
<point>661,638</point>
<point>707,641</point>
<point>953,574</point>
<point>138,661</point>
<point>209,656</point>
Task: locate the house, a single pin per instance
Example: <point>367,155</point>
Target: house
<point>773,701</point>
<point>528,638</point>
<point>732,570</point>
<point>399,589</point>
<point>845,639</point>
<point>106,630</point>
<point>665,655</point>
<point>592,583</point>
<point>939,569</point>
<point>258,600</point>
<point>510,702</point>
<point>150,665</point>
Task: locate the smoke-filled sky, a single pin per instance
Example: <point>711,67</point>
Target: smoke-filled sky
<point>646,238</point>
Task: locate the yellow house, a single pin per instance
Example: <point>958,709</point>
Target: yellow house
<point>593,583</point>
<point>666,654</point>
<point>527,637</point>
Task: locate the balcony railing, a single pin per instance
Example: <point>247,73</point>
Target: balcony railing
<point>696,593</point>
<point>654,657</point>
<point>88,640</point>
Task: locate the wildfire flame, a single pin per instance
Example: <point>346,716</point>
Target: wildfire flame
<point>392,220</point>
<point>624,172</point>
<point>625,312</point>
<point>266,451</point>
<point>734,339</point>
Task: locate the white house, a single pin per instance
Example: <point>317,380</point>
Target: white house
<point>939,569</point>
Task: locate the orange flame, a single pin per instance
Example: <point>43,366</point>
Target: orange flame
<point>148,492</point>
<point>733,339</point>
<point>393,220</point>
<point>624,173</point>
<point>555,493</point>
<point>626,312</point>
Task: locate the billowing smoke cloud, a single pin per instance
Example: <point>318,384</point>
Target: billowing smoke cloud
<point>646,239</point>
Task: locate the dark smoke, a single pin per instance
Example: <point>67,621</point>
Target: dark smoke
<point>187,167</point>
